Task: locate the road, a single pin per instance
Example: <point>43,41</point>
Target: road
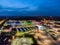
<point>43,39</point>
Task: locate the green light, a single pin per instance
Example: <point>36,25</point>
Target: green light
<point>29,22</point>
<point>24,23</point>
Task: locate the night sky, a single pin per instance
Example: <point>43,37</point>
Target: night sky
<point>29,7</point>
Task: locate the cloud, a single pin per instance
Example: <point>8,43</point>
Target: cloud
<point>42,7</point>
<point>19,4</point>
<point>6,3</point>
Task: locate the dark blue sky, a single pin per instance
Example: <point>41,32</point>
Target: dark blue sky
<point>29,7</point>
